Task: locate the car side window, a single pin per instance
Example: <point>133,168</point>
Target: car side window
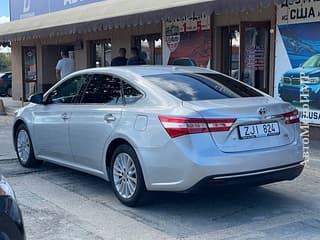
<point>103,89</point>
<point>69,91</point>
<point>131,95</point>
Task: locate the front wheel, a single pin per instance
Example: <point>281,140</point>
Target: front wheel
<point>9,92</point>
<point>126,176</point>
<point>24,148</point>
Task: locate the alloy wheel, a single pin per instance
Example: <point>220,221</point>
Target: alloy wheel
<point>125,175</point>
<point>23,145</point>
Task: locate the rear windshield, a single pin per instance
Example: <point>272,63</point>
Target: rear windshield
<point>196,87</point>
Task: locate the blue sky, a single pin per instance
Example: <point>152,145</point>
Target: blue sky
<point>4,8</point>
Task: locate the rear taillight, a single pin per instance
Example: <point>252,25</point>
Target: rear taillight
<point>1,80</point>
<point>177,127</point>
<point>291,117</point>
<point>220,125</point>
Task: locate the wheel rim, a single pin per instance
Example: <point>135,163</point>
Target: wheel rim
<point>125,175</point>
<point>23,146</point>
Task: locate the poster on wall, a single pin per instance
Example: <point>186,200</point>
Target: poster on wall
<point>187,41</point>
<point>297,75</point>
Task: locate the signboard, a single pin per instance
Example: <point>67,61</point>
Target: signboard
<point>187,41</point>
<point>297,75</point>
<point>20,9</point>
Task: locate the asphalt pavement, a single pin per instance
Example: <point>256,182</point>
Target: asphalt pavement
<point>60,203</point>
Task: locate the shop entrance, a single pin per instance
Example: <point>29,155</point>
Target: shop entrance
<point>50,56</point>
<point>100,55</point>
<point>255,54</point>
<point>231,51</point>
<point>29,71</point>
<point>150,46</point>
<point>246,53</point>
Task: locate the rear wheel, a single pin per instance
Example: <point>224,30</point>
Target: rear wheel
<point>24,148</point>
<point>126,176</point>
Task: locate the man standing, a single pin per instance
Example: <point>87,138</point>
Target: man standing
<point>121,60</point>
<point>64,66</point>
<point>136,59</point>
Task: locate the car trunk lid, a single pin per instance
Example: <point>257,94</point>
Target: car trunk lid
<point>253,115</point>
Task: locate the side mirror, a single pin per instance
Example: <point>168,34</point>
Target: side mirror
<point>36,98</point>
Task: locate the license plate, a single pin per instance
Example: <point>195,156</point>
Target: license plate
<point>259,130</point>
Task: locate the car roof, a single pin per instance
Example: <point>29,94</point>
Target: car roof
<point>148,70</point>
<point>5,73</point>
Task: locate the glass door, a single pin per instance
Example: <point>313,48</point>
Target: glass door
<point>29,68</point>
<point>150,47</point>
<point>231,51</point>
<point>101,53</point>
<point>255,54</point>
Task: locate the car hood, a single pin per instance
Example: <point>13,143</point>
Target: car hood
<point>296,72</point>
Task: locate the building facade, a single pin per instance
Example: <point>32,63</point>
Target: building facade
<point>235,37</point>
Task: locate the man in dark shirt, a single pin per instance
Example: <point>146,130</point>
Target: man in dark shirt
<point>136,59</point>
<point>121,60</point>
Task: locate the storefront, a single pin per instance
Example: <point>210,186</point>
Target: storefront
<point>235,37</point>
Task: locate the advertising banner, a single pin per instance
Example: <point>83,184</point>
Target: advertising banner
<point>187,41</point>
<point>20,9</point>
<point>297,75</point>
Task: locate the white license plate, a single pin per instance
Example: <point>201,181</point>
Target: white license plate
<point>259,130</point>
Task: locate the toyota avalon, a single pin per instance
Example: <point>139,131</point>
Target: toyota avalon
<point>160,128</point>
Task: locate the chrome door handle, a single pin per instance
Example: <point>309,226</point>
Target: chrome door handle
<point>109,118</point>
<point>64,116</point>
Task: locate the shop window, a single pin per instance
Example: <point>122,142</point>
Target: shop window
<point>102,53</point>
<point>29,71</point>
<point>150,48</point>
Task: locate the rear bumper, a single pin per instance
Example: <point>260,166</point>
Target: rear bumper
<point>254,178</point>
<point>181,164</point>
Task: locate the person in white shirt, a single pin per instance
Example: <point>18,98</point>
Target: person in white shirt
<point>64,66</point>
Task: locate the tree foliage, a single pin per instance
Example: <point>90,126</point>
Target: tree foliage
<point>5,62</point>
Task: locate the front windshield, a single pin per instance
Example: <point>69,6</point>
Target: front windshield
<point>312,62</point>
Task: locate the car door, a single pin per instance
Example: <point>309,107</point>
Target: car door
<point>94,121</point>
<point>51,120</point>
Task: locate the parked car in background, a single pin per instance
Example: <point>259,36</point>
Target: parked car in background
<point>184,61</point>
<point>11,222</point>
<point>156,128</point>
<point>6,84</point>
<point>308,75</point>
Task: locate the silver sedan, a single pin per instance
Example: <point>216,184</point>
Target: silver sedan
<point>156,128</point>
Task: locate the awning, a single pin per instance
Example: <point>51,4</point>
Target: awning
<point>117,13</point>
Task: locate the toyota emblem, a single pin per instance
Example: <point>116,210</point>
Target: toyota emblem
<point>262,111</point>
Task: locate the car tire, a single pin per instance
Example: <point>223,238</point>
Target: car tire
<point>24,148</point>
<point>9,92</point>
<point>126,176</point>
